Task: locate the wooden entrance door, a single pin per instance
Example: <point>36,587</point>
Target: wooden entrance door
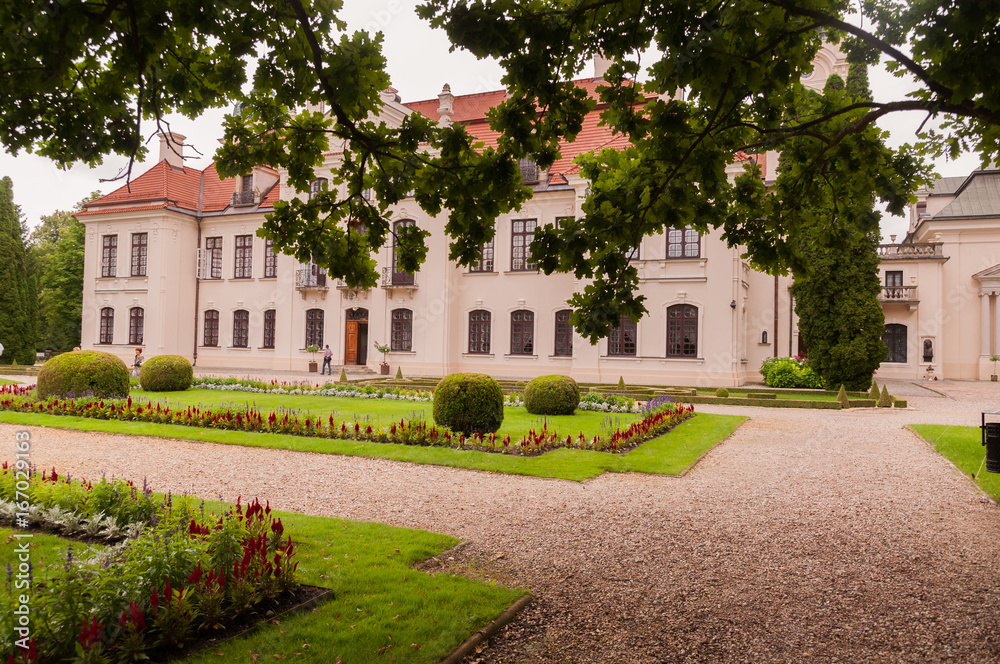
<point>351,350</point>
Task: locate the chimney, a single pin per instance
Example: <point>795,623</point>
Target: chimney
<point>445,107</point>
<point>173,151</point>
<point>601,65</point>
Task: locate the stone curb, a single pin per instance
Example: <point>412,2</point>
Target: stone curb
<point>470,644</point>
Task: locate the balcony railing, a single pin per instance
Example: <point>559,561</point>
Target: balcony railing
<point>901,294</point>
<point>393,279</point>
<point>911,251</point>
<point>244,198</point>
<point>310,278</point>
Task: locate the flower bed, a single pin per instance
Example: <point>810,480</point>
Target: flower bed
<point>177,573</point>
<point>610,403</point>
<point>326,390</point>
<point>407,432</point>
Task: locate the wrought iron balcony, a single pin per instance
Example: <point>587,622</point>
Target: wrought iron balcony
<point>244,198</point>
<point>311,278</point>
<point>911,251</point>
<point>392,279</point>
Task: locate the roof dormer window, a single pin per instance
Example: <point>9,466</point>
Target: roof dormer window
<point>529,170</point>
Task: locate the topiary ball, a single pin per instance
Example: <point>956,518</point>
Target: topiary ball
<point>552,395</point>
<point>81,372</point>
<point>722,393</point>
<point>166,373</point>
<point>468,402</point>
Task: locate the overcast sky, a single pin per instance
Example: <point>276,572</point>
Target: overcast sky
<point>419,64</point>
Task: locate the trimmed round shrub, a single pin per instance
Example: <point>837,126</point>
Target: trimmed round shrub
<point>83,372</point>
<point>468,402</point>
<point>552,395</point>
<point>166,373</point>
<point>722,393</point>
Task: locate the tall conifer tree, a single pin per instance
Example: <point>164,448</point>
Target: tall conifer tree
<point>16,325</point>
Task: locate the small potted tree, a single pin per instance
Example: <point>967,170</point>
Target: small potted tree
<point>384,366</point>
<point>313,366</point>
<point>994,359</point>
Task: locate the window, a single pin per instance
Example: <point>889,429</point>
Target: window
<point>683,243</point>
<point>564,334</point>
<point>135,325</point>
<point>139,242</point>
<point>522,333</point>
<point>241,328</point>
<point>211,327</point>
<point>529,170</point>
<point>621,341</point>
<point>316,186</point>
<point>107,326</point>
<point>109,256</point>
<point>244,257</point>
<point>895,338</point>
<point>246,183</point>
<point>314,328</point>
<point>270,259</point>
<point>682,331</point>
<point>479,332</point>
<point>522,233</point>
<point>270,317</point>
<point>485,263</point>
<point>399,277</point>
<point>401,337</point>
<point>633,254</point>
<point>213,255</point>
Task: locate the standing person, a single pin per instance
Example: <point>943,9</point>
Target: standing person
<point>327,360</point>
<point>137,363</point>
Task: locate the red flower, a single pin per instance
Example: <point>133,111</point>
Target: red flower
<point>195,575</point>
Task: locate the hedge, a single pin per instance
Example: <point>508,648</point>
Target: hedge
<point>551,395</point>
<point>166,373</point>
<point>469,403</point>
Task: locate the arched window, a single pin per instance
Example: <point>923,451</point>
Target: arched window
<point>682,331</point>
<point>270,318</point>
<point>135,325</point>
<point>401,336</point>
<point>522,332</point>
<point>621,340</point>
<point>241,328</point>
<point>763,337</point>
<point>895,338</point>
<point>211,328</point>
<point>316,186</point>
<point>479,332</point>
<point>107,326</point>
<point>314,328</point>
<point>564,334</point>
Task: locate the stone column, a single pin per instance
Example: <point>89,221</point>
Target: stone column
<point>984,321</point>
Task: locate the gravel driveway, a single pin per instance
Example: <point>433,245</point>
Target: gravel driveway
<point>817,536</point>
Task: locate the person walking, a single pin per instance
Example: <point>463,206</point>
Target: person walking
<point>137,363</point>
<point>327,361</point>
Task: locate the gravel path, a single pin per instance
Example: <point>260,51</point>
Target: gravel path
<point>809,536</point>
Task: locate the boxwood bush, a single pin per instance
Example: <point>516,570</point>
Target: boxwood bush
<point>81,372</point>
<point>468,403</point>
<point>789,372</point>
<point>551,395</point>
<point>166,373</point>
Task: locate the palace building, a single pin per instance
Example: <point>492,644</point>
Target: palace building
<point>174,264</point>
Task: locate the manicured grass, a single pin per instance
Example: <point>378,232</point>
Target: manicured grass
<point>798,395</point>
<point>4,381</point>
<point>517,421</point>
<point>669,454</point>
<point>379,602</point>
<point>963,447</point>
<point>45,550</point>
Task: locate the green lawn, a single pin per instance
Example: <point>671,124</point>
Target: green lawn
<point>45,550</point>
<point>4,381</point>
<point>517,421</point>
<point>379,600</point>
<point>796,395</point>
<point>963,447</point>
<point>670,454</point>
